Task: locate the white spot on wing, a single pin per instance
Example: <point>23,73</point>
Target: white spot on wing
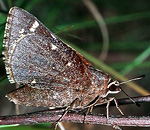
<point>69,64</point>
<point>53,47</point>
<point>51,107</point>
<point>55,97</point>
<point>21,31</point>
<point>34,26</point>
<point>33,82</point>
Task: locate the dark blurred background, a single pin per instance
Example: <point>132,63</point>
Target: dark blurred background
<point>128,26</point>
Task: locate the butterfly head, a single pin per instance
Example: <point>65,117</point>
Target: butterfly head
<point>113,87</point>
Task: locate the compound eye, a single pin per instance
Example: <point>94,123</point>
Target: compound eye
<point>113,87</point>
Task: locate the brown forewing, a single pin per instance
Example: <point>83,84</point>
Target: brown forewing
<point>53,73</point>
<point>29,55</point>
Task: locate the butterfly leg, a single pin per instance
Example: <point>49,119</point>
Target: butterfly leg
<point>117,106</point>
<point>108,104</point>
<point>90,107</point>
<point>108,101</point>
<point>66,111</point>
<point>85,114</point>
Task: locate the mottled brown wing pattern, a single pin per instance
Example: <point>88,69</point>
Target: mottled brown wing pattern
<point>30,96</point>
<point>61,96</point>
<point>53,74</point>
<point>39,61</point>
<point>37,58</point>
<point>21,28</point>
<point>18,25</point>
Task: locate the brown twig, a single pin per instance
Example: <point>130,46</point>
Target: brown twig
<point>53,116</point>
<point>76,116</point>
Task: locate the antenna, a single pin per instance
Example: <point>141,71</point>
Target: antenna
<point>137,104</point>
<point>137,78</point>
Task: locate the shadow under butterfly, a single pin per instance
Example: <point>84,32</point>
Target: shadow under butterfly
<point>51,72</point>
